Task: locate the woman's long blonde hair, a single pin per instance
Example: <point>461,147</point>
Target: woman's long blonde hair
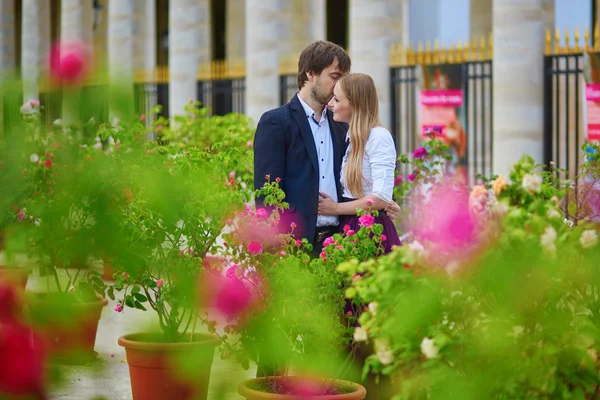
<point>362,95</point>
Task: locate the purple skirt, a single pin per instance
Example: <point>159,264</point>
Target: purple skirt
<point>389,230</point>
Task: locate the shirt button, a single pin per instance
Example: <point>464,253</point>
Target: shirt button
<point>321,142</point>
<point>323,177</point>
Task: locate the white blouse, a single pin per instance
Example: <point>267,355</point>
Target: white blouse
<point>379,164</point>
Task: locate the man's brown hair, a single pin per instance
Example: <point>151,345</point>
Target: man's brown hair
<point>318,56</point>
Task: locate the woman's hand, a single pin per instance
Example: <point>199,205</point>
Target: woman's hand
<point>326,205</point>
<point>392,210</point>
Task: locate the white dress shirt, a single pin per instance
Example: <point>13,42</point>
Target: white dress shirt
<point>322,136</point>
<point>379,165</point>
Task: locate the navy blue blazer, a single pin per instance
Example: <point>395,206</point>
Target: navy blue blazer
<point>284,148</point>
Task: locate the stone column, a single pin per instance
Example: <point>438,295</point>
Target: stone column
<point>519,29</point>
<point>235,47</point>
<point>189,50</point>
<point>100,35</point>
<point>7,50</point>
<point>303,22</point>
<point>262,56</point>
<point>374,27</point>
<point>76,22</point>
<point>481,18</point>
<point>35,45</point>
<point>7,35</point>
<point>146,60</point>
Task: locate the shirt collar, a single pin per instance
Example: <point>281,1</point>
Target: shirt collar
<point>310,113</point>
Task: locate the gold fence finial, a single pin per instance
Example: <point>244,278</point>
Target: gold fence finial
<point>474,48</point>
<point>420,57</point>
<point>436,51</point>
<point>412,59</point>
<point>596,37</point>
<point>482,50</point>
<point>586,38</point>
<point>548,42</point>
<point>428,52</point>
<point>459,51</point>
<point>576,38</point>
<point>490,46</point>
<point>557,41</point>
<point>567,45</point>
<point>466,51</point>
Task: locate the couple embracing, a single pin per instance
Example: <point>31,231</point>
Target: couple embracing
<point>329,149</point>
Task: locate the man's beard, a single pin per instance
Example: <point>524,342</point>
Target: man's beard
<point>321,97</point>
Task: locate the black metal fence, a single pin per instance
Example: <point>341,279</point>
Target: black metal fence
<point>564,128</point>
<point>288,86</point>
<point>477,104</point>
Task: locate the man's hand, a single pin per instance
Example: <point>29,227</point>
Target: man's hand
<point>392,210</point>
<point>326,205</point>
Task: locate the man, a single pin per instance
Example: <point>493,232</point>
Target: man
<point>301,144</point>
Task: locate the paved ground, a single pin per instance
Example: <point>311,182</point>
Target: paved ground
<point>108,378</point>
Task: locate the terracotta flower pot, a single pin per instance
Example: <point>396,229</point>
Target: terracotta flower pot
<point>108,271</point>
<point>174,371</point>
<point>68,328</point>
<point>16,276</point>
<point>251,389</point>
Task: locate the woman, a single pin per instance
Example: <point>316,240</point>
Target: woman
<point>369,164</point>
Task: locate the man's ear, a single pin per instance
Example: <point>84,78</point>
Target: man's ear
<point>310,76</point>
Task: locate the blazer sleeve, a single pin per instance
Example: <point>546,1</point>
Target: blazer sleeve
<point>269,152</point>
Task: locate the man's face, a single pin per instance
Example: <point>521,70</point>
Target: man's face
<point>322,84</point>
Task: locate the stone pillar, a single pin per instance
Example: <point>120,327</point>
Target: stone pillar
<point>303,22</point>
<point>76,23</point>
<point>374,28</point>
<point>100,35</point>
<point>35,45</point>
<point>146,61</point>
<point>262,56</point>
<point>519,29</point>
<point>189,49</point>
<point>481,18</point>
<point>7,35</point>
<point>235,25</point>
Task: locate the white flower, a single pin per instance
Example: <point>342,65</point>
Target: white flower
<point>98,146</point>
<point>548,239</point>
<point>588,239</point>
<point>57,122</point>
<point>417,249</point>
<point>552,213</point>
<point>429,349</point>
<point>34,158</point>
<point>532,183</point>
<point>383,351</point>
<point>360,334</point>
<point>569,222</point>
<point>373,307</point>
<point>28,108</point>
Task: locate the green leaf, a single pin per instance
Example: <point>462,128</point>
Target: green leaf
<point>140,297</point>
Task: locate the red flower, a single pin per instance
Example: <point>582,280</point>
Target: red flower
<point>48,163</point>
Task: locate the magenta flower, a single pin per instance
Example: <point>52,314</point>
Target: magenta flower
<point>329,241</point>
<point>293,225</point>
<point>232,298</point>
<point>20,216</point>
<point>118,307</point>
<point>298,243</point>
<point>411,177</point>
<point>232,175</point>
<point>369,202</point>
<point>366,220</point>
<point>346,228</point>
<point>277,179</point>
<point>69,62</point>
<point>267,176</point>
<point>249,143</point>
<point>323,255</point>
<point>230,273</point>
<point>255,248</point>
<point>159,283</point>
<point>398,180</point>
<point>350,232</point>
<point>262,213</point>
<point>383,238</point>
<point>420,152</point>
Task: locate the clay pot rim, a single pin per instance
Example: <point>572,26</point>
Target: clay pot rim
<point>20,269</point>
<point>33,297</point>
<point>129,342</point>
<point>243,390</point>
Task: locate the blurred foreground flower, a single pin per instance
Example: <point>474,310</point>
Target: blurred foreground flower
<point>69,62</point>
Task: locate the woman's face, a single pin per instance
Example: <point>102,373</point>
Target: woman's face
<point>340,105</point>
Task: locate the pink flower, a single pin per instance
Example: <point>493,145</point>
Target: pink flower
<point>48,163</point>
<point>159,128</point>
<point>142,117</point>
<point>293,225</point>
<point>383,238</point>
<point>411,177</point>
<point>69,62</point>
<point>232,175</point>
<point>20,215</point>
<point>249,144</point>
<point>420,152</point>
<point>346,228</point>
<point>255,248</point>
<point>350,232</point>
<point>349,313</point>
<point>356,277</point>
<point>267,176</point>
<point>125,275</point>
<point>34,103</point>
<point>262,213</point>
<point>159,283</point>
<point>323,255</point>
<point>283,252</point>
<point>229,222</point>
<point>118,307</point>
<point>230,273</point>
<point>329,241</point>
<point>298,243</point>
<point>398,180</point>
<point>233,297</point>
<point>366,220</point>
<point>278,179</point>
<point>369,202</point>
<point>339,247</point>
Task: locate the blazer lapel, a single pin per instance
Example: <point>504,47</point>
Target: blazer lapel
<point>307,136</point>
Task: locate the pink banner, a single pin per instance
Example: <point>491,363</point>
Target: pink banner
<point>592,95</point>
<point>447,98</point>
